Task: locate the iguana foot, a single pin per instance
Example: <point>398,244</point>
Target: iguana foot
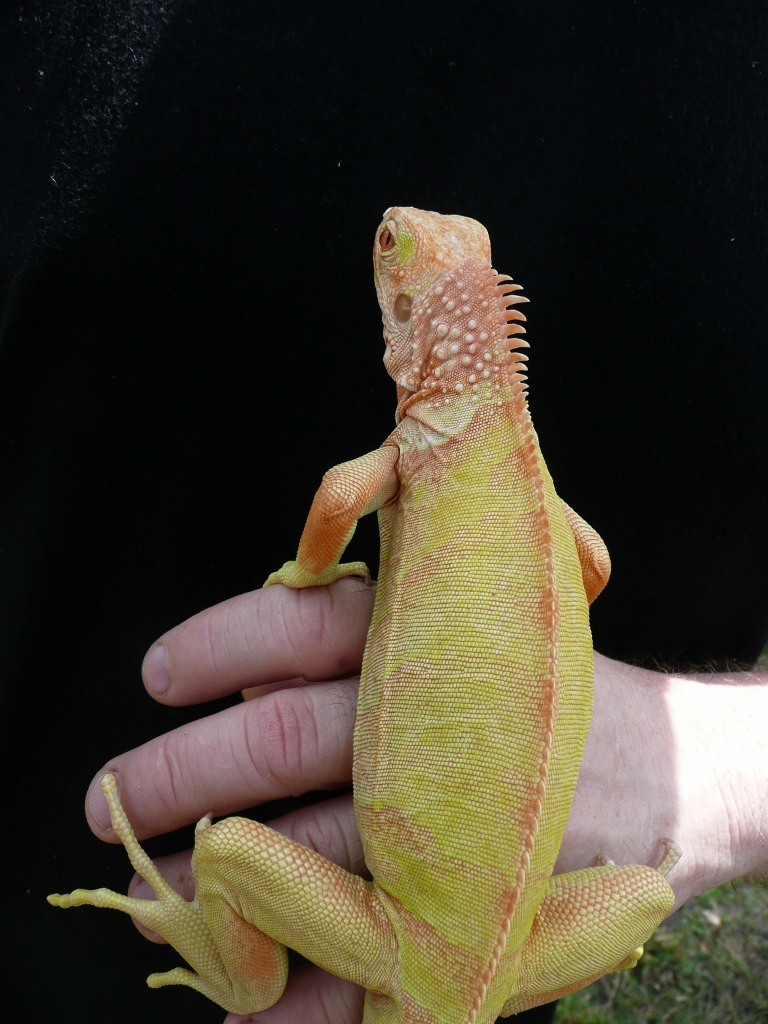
<point>631,961</point>
<point>185,926</point>
<point>601,861</point>
<point>292,575</point>
<point>672,854</point>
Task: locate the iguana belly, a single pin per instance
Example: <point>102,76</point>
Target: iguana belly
<point>459,662</point>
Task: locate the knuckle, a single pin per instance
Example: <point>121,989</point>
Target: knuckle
<point>168,774</point>
<point>310,612</point>
<point>217,633</point>
<point>328,828</point>
<point>288,739</point>
<point>308,625</point>
<point>198,641</point>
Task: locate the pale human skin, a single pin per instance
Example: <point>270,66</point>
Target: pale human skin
<point>683,757</point>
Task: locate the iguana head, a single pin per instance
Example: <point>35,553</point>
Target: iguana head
<point>446,323</point>
<point>412,248</point>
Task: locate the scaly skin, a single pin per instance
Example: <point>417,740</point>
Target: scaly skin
<point>475,700</point>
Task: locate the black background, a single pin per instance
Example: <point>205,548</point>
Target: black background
<point>190,337</point>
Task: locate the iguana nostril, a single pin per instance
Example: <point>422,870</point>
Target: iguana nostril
<point>402,308</point>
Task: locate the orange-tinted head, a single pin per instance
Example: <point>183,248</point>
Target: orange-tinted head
<point>448,328</point>
<point>411,249</point>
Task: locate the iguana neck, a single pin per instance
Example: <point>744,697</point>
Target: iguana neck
<point>461,351</point>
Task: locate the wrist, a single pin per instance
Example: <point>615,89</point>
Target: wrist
<point>678,757</point>
<point>720,724</point>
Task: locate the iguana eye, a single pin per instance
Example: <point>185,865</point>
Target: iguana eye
<point>402,308</point>
<point>386,240</point>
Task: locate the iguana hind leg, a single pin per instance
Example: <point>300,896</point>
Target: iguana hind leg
<point>590,923</point>
<point>252,883</point>
<point>235,964</point>
<point>330,916</point>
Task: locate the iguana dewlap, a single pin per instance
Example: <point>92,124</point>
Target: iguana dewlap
<point>475,701</point>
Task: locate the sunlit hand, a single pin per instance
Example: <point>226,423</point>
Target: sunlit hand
<point>665,756</point>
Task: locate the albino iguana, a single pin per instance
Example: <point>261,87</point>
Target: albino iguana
<point>475,701</point>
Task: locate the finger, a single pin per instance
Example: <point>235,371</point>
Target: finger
<point>262,637</point>
<point>312,996</point>
<point>329,827</point>
<point>284,744</point>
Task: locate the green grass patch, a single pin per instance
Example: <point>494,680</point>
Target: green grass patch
<point>707,964</point>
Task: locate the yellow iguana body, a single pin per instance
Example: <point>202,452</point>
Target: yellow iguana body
<point>475,701</point>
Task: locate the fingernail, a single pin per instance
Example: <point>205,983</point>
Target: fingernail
<point>97,807</point>
<point>154,671</point>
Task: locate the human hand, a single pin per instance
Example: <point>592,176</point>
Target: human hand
<point>679,756</point>
<point>646,771</point>
<point>294,738</point>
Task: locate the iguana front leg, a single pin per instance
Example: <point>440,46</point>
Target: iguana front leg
<point>348,491</point>
<point>593,554</point>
